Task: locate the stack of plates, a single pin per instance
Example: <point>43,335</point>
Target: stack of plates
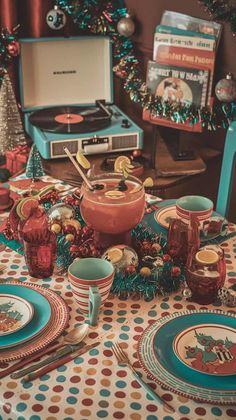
<point>192,357</point>
<point>31,317</point>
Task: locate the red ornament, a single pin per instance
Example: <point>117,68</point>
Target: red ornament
<point>175,271</point>
<point>146,245</point>
<point>166,257</point>
<point>86,233</point>
<point>13,48</point>
<point>74,250</point>
<point>130,269</point>
<point>137,153</point>
<point>69,229</point>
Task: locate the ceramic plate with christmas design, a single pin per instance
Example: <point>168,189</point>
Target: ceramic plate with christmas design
<point>41,313</point>
<point>15,313</point>
<point>207,348</point>
<point>158,359</point>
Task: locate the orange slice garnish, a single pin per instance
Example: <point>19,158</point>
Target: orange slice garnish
<point>121,162</point>
<point>148,182</point>
<point>82,160</point>
<point>114,255</point>
<point>207,256</point>
<point>114,194</point>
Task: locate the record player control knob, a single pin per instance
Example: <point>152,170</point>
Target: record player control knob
<point>125,123</point>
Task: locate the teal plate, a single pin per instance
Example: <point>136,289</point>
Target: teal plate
<point>151,221</point>
<point>42,313</point>
<point>158,359</point>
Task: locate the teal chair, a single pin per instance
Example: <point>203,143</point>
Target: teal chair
<point>227,171</point>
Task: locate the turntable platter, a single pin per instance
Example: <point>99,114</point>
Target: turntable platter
<point>70,119</point>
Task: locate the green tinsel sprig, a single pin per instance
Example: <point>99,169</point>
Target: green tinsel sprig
<point>220,10</point>
<point>7,39</point>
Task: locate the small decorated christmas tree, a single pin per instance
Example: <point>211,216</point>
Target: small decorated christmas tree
<point>34,167</point>
<point>11,128</point>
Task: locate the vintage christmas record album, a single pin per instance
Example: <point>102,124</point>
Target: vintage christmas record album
<point>183,85</point>
<point>189,23</point>
<point>66,89</point>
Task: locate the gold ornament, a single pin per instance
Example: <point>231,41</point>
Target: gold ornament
<point>126,26</point>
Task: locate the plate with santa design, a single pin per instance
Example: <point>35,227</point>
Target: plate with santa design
<point>207,348</point>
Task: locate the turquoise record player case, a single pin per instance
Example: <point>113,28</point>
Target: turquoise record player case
<point>72,72</point>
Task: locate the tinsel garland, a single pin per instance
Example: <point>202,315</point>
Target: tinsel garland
<point>164,279</point>
<point>156,272</point>
<point>102,17</point>
<point>223,11</point>
<point>9,48</point>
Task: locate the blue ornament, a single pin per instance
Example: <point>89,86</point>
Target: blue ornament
<point>56,18</point>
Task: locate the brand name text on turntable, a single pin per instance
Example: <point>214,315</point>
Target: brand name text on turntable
<point>65,72</point>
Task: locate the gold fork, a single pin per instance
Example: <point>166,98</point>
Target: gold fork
<point>123,360</point>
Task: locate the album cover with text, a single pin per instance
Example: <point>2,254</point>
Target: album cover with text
<point>181,85</point>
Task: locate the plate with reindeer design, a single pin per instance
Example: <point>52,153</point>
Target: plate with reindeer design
<point>15,313</point>
<point>207,348</point>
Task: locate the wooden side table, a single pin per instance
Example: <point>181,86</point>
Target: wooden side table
<point>188,182</point>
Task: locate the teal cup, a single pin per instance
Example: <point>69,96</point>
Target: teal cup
<point>91,280</point>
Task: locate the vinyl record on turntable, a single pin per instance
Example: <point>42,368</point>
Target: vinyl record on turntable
<point>70,119</point>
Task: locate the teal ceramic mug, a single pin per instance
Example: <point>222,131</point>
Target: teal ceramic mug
<point>91,280</point>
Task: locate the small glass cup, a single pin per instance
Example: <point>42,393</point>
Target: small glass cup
<point>40,257</point>
<point>183,238</point>
<point>205,273</point>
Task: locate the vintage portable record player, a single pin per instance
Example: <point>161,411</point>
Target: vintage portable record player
<point>66,92</point>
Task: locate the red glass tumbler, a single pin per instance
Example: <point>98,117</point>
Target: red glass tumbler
<point>40,257</point>
<point>183,238</point>
<point>205,274</point>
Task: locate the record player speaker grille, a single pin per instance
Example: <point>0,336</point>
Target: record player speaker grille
<point>128,141</point>
<point>57,148</point>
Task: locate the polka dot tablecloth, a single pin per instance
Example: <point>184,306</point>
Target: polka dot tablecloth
<point>93,386</point>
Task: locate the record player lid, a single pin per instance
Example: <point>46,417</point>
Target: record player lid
<point>65,71</point>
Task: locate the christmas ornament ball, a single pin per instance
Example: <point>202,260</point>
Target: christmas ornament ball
<point>13,48</point>
<point>61,211</point>
<point>145,272</point>
<point>56,18</point>
<point>225,89</point>
<point>126,26</point>
<point>121,257</point>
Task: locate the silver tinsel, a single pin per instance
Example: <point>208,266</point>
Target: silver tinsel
<point>11,128</point>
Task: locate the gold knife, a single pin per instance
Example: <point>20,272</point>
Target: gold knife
<point>60,362</point>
